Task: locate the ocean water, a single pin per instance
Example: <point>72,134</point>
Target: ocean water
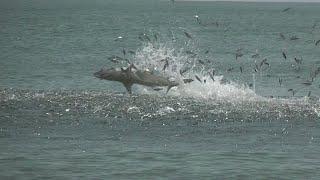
<point>258,119</point>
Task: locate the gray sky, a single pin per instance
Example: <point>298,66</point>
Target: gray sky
<point>259,0</point>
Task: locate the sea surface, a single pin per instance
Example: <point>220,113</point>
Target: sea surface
<point>252,110</point>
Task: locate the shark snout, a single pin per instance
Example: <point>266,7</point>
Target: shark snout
<point>103,74</point>
<point>98,74</point>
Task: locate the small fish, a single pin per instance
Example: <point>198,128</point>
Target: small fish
<point>309,93</point>
<point>197,77</point>
<point>239,49</point>
<point>187,35</point>
<point>193,55</point>
<point>284,55</point>
<point>165,59</point>
<point>224,81</point>
<point>155,37</point>
<point>118,38</point>
<point>200,61</point>
<point>257,67</point>
<point>314,25</point>
<point>230,69</point>
<point>264,61</point>
<point>293,91</point>
<point>190,52</point>
<point>166,65</point>
<point>144,37</point>
<point>140,38</point>
<point>212,77</point>
<point>282,36</point>
<point>294,38</point>
<point>213,72</point>
<point>147,37</point>
<point>255,55</point>
<point>157,89</point>
<point>124,52</point>
<point>280,81</point>
<point>187,80</point>
<point>298,61</point>
<point>307,83</point>
<point>238,54</point>
<point>115,59</point>
<point>295,67</point>
<point>131,52</point>
<point>317,42</point>
<point>174,68</point>
<point>182,71</point>
<point>316,72</point>
<point>285,10</point>
<point>197,18</point>
<point>241,70</point>
<point>207,51</point>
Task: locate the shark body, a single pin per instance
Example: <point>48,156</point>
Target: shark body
<point>128,77</point>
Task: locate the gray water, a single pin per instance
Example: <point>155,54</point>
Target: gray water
<point>57,121</point>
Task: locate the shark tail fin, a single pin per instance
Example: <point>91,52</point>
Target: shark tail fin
<point>169,87</point>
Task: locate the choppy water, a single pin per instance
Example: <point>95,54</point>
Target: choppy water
<point>57,121</point>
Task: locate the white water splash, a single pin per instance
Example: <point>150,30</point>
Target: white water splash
<point>165,110</point>
<point>152,57</point>
<point>133,109</point>
<point>217,90</point>
<point>317,111</point>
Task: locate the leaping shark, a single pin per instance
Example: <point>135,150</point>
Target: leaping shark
<point>132,75</point>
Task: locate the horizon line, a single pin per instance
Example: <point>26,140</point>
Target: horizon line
<point>255,1</point>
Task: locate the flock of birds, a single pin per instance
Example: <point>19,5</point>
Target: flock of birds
<point>258,65</point>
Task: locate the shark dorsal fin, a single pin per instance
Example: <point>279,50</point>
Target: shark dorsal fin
<point>128,69</point>
<point>132,66</point>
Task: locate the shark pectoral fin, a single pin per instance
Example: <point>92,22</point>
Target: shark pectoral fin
<point>128,87</point>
